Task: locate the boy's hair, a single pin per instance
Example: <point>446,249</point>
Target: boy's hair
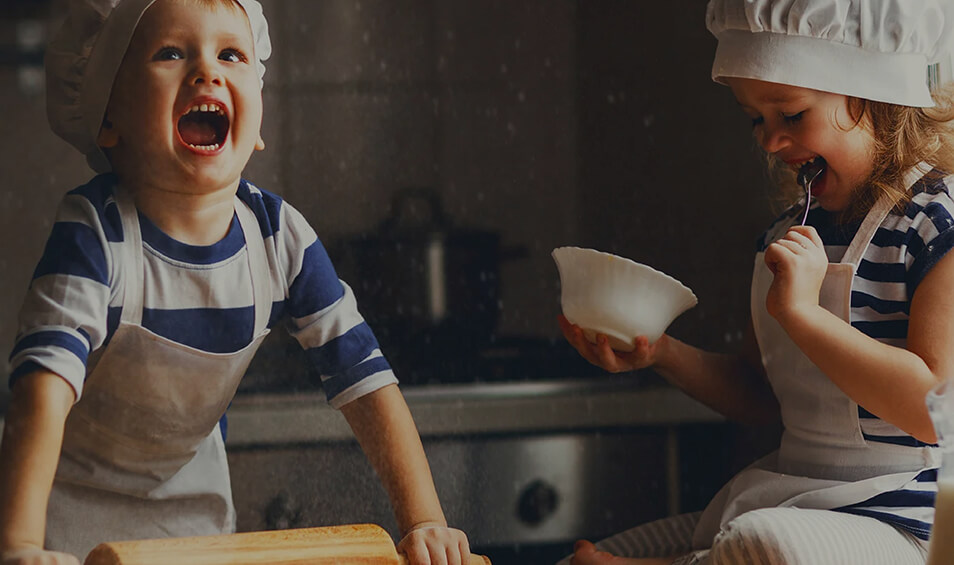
<point>904,136</point>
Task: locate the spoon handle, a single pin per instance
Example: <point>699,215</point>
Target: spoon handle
<point>808,200</point>
<point>806,176</point>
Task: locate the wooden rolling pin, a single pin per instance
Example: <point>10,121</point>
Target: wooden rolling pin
<point>359,544</point>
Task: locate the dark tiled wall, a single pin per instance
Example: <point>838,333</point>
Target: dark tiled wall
<point>474,99</point>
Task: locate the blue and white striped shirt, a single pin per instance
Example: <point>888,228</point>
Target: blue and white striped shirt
<point>200,296</point>
<point>902,251</point>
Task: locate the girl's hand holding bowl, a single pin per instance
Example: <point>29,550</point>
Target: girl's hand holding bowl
<point>602,355</point>
<point>616,309</point>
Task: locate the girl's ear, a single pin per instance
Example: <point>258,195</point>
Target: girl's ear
<point>260,144</point>
<point>108,136</point>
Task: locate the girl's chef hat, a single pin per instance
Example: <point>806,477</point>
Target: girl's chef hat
<point>83,58</point>
<point>873,49</point>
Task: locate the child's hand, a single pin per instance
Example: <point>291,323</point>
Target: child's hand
<point>435,544</point>
<point>602,355</point>
<point>799,263</point>
<point>37,556</point>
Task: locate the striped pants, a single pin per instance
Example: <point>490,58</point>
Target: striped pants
<point>774,536</point>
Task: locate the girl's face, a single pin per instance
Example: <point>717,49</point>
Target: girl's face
<point>186,108</point>
<point>798,124</point>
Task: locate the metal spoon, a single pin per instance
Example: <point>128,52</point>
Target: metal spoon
<point>806,176</point>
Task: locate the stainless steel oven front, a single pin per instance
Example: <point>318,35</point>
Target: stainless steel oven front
<point>514,464</point>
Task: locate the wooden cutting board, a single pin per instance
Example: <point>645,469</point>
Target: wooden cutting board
<point>359,544</point>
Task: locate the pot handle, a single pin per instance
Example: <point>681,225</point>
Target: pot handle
<point>404,214</point>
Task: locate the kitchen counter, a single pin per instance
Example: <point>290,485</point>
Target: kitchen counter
<point>476,408</point>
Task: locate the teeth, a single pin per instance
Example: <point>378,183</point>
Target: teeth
<point>212,147</point>
<point>214,108</point>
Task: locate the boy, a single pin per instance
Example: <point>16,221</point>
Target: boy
<point>160,279</point>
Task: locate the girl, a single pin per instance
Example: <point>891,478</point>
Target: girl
<point>852,312</point>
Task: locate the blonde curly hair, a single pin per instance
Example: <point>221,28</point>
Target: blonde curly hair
<point>903,137</point>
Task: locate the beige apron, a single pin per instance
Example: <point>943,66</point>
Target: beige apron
<point>143,454</point>
<point>823,462</point>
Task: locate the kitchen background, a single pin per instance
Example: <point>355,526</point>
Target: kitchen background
<point>538,123</point>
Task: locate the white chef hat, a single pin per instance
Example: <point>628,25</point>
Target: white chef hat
<point>83,58</point>
<point>878,50</point>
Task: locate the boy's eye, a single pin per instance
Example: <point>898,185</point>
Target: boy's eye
<point>168,54</point>
<point>232,56</point>
<point>793,118</point>
<point>757,121</point>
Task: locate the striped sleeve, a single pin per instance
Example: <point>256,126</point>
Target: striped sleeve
<point>324,317</point>
<point>64,314</point>
<point>931,234</point>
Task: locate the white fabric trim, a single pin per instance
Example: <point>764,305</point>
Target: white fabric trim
<point>367,385</point>
<point>896,78</point>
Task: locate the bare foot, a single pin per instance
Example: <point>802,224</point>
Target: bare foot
<point>585,553</point>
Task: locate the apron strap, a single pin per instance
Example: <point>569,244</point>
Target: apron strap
<point>131,257</point>
<point>876,215</point>
<point>257,264</point>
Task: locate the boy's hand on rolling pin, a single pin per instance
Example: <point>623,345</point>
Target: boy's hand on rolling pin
<point>602,355</point>
<point>799,264</point>
<point>37,556</point>
<point>435,544</point>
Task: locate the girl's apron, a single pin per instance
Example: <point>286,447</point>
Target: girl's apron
<point>143,455</point>
<point>824,461</point>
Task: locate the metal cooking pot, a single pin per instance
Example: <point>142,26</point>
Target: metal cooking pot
<point>427,287</point>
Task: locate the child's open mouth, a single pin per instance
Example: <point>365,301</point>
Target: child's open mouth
<point>204,127</point>
<point>812,170</point>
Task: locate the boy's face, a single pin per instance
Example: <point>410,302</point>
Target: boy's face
<point>185,111</point>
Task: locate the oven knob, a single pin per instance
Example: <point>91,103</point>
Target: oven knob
<point>538,501</point>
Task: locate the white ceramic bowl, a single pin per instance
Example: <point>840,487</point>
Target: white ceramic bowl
<point>617,297</point>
